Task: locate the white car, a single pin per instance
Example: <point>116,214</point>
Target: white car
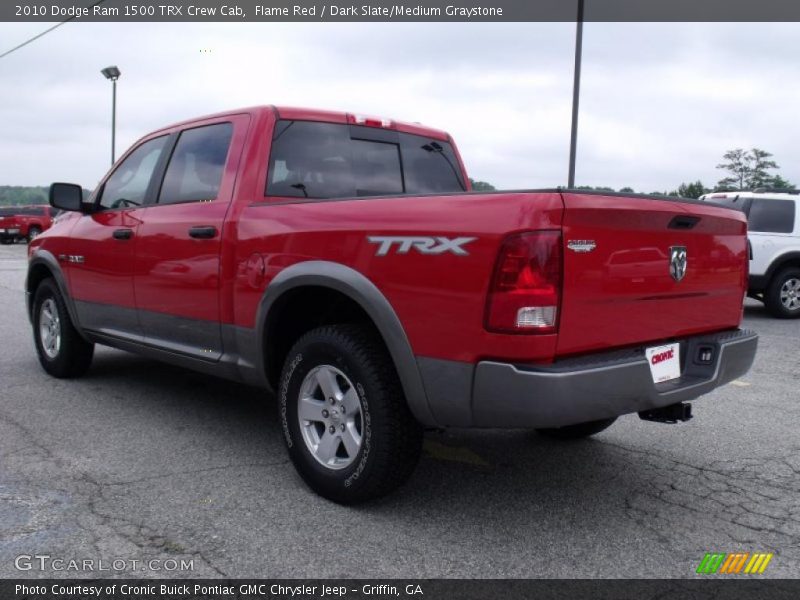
<point>773,221</point>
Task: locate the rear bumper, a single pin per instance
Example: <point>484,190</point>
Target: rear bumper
<point>602,385</point>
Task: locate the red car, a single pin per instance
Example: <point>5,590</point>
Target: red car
<point>24,222</point>
<point>342,262</point>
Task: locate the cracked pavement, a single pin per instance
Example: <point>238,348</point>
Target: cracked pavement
<point>142,461</point>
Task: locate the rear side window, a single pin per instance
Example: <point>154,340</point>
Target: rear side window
<point>324,160</point>
<point>197,163</point>
<point>127,186</point>
<point>771,216</point>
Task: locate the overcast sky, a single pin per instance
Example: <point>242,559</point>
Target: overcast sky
<point>660,103</point>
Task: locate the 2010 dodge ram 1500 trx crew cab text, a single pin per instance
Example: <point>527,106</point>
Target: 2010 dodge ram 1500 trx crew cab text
<point>342,262</point>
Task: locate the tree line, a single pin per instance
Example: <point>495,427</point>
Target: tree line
<point>11,195</point>
<point>743,170</point>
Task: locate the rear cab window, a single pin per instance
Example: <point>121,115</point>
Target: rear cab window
<point>324,160</point>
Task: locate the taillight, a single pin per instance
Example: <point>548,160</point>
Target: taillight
<point>526,286</point>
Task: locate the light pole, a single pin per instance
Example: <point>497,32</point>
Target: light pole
<point>113,74</point>
<point>576,92</point>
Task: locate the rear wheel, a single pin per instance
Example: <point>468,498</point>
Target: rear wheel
<point>578,431</point>
<point>33,233</point>
<point>348,429</point>
<point>5,241</point>
<point>62,351</point>
<point>782,297</point>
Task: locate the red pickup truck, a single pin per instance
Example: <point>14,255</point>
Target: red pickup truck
<point>24,222</point>
<point>342,262</point>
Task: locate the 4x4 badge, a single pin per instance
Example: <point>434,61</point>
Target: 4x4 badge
<point>677,262</point>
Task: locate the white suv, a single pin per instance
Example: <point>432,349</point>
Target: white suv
<point>773,222</point>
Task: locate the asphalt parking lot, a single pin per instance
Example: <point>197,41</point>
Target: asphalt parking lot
<point>141,461</point>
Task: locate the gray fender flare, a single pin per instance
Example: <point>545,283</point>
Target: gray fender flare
<point>361,290</point>
<point>46,259</point>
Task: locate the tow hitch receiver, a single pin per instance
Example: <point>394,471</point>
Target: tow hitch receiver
<point>682,411</point>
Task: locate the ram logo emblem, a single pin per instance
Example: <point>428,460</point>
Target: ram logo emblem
<point>423,245</point>
<point>677,262</point>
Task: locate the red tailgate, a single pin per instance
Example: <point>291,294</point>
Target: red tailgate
<point>622,292</point>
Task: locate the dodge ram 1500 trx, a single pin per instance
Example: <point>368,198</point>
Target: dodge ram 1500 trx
<point>342,262</point>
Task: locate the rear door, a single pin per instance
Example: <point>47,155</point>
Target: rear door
<point>101,246</point>
<point>177,279</point>
<point>640,270</point>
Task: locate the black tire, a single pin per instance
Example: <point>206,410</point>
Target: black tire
<point>576,432</point>
<point>33,233</point>
<point>390,438</point>
<point>73,355</point>
<point>787,307</point>
<point>6,241</point>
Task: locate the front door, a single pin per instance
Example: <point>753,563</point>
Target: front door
<point>102,244</point>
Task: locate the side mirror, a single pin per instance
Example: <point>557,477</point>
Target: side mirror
<point>66,196</point>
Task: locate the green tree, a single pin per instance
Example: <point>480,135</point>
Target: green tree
<point>738,168</point>
<point>481,186</point>
<point>747,169</point>
<point>692,190</point>
<point>598,188</point>
<point>627,190</point>
<point>760,164</point>
<point>780,183</point>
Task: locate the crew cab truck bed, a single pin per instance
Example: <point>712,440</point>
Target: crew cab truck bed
<point>342,263</point>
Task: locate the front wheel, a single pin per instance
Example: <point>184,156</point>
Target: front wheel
<point>62,351</point>
<point>346,424</point>
<point>33,233</point>
<point>575,432</point>
<point>782,298</point>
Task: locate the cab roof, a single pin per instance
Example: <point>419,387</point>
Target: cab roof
<point>295,113</point>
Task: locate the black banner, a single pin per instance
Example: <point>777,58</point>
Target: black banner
<point>423,589</point>
<point>398,10</point>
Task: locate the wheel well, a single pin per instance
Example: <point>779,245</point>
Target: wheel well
<point>297,312</point>
<point>36,275</point>
<point>791,262</point>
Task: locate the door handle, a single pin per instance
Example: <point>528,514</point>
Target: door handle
<point>203,232</point>
<point>122,234</point>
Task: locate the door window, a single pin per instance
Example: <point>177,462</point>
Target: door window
<point>195,170</point>
<point>127,186</point>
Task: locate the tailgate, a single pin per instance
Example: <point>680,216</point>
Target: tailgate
<point>629,288</point>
